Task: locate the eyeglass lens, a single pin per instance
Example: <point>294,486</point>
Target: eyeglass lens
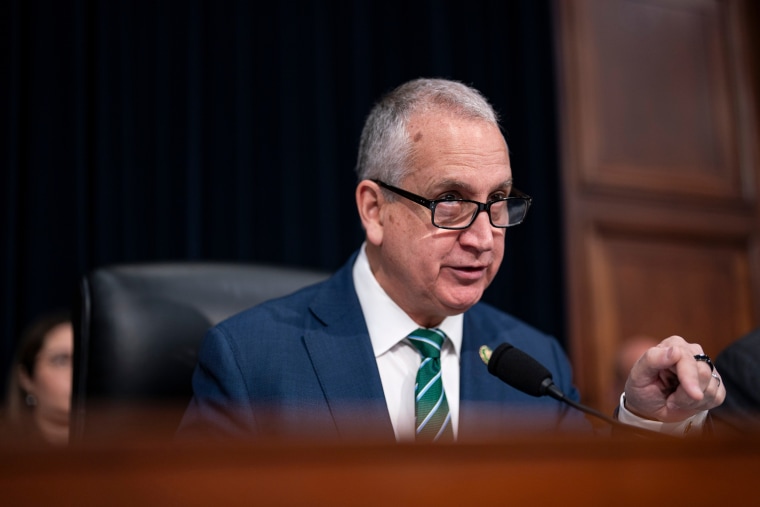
<point>462,213</point>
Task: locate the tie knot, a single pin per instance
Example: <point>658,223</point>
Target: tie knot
<point>428,341</point>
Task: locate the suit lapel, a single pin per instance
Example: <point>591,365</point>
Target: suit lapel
<point>344,362</point>
<point>475,381</point>
<point>481,403</point>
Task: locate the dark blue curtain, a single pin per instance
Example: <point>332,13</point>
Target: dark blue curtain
<point>227,130</point>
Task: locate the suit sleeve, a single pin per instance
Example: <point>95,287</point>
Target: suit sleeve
<point>220,406</point>
<point>739,368</point>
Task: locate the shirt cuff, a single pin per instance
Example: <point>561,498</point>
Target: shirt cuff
<point>680,428</point>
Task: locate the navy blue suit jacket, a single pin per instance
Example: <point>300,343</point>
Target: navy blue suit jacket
<point>739,367</point>
<point>303,366</point>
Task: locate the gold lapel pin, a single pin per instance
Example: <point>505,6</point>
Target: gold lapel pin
<point>485,353</point>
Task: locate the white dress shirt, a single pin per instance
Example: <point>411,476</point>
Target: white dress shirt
<point>397,359</point>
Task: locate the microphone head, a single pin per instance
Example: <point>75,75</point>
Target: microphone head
<point>519,370</point>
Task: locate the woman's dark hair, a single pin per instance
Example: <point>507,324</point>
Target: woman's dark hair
<point>33,338</point>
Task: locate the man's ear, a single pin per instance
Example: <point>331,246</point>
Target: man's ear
<point>369,201</point>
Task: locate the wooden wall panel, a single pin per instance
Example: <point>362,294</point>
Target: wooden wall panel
<point>656,99</point>
<point>660,176</point>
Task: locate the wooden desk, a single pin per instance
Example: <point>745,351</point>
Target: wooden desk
<point>527,471</point>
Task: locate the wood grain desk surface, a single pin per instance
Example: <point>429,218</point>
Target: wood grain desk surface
<point>522,471</point>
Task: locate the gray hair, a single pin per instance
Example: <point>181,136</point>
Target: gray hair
<point>385,146</point>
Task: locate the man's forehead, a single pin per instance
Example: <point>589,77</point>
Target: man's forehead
<point>465,180</point>
<point>435,128</point>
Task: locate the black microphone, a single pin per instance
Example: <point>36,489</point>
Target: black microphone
<point>521,371</point>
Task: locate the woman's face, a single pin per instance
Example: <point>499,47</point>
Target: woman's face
<point>51,383</point>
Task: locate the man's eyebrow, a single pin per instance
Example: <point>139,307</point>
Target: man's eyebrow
<point>461,185</point>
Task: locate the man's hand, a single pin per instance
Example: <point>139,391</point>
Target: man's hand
<point>667,384</point>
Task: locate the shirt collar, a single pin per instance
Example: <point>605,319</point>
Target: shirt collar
<point>386,322</point>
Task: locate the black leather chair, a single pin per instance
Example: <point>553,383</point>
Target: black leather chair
<point>137,329</point>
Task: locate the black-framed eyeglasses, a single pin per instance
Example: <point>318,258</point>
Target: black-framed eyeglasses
<point>461,213</point>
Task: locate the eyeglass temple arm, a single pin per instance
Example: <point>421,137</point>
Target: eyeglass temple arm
<point>412,197</point>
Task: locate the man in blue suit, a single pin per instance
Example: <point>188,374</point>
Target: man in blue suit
<point>741,363</point>
<point>360,355</point>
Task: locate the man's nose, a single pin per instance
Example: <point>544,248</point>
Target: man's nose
<point>480,233</point>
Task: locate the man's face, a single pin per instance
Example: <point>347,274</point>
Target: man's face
<point>431,272</point>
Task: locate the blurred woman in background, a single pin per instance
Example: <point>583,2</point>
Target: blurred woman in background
<point>39,395</point>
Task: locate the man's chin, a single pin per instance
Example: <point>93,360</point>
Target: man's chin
<point>462,302</point>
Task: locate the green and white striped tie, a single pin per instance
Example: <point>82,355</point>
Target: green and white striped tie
<point>431,408</point>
